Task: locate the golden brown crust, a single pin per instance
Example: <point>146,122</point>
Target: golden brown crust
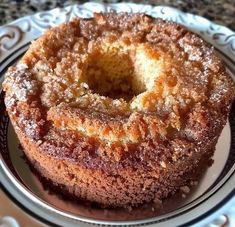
<point>120,92</point>
<point>128,186</point>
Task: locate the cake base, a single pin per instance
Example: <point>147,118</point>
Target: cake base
<point>127,189</point>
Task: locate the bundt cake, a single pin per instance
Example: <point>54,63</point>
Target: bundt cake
<point>119,109</point>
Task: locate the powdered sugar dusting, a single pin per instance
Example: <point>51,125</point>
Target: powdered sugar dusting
<point>21,84</point>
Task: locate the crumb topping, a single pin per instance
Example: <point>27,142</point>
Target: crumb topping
<point>122,78</point>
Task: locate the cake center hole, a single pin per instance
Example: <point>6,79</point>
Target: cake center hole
<point>120,72</point>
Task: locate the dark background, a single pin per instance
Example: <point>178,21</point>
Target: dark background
<point>219,11</point>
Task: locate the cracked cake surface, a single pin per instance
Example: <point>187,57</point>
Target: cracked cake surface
<point>119,109</point>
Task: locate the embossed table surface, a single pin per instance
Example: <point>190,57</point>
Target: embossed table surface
<point>218,11</point>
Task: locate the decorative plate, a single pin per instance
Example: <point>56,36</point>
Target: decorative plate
<point>210,203</point>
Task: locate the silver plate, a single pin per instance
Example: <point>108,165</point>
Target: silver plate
<point>211,201</point>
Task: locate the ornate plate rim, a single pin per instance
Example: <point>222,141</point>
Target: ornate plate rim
<point>15,33</point>
<point>20,32</point>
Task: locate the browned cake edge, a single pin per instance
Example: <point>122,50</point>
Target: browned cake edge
<point>130,188</point>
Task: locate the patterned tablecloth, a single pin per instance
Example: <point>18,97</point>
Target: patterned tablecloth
<point>219,11</point>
